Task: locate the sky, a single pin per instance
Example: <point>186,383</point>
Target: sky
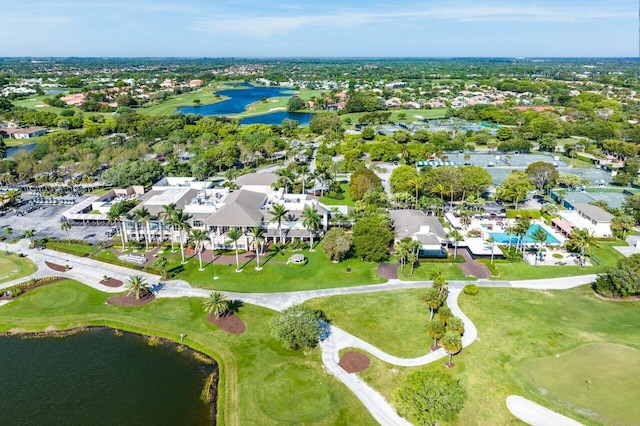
<point>319,28</point>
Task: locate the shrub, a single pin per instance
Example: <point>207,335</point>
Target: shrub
<point>557,256</point>
<point>471,289</point>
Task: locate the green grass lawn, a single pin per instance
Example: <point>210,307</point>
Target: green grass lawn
<point>515,328</point>
<point>13,267</point>
<point>276,275</point>
<point>347,201</point>
<point>605,253</point>
<point>579,377</point>
<point>394,321</point>
<point>261,382</point>
<point>73,248</point>
<point>423,271</point>
<point>205,94</point>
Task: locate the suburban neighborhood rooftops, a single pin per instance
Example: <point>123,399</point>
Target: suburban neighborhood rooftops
<point>409,222</point>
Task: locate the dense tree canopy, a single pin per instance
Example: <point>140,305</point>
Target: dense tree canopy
<point>363,180</point>
<point>371,239</point>
<point>298,327</point>
<point>430,397</point>
<point>622,280</point>
<point>137,172</point>
<point>542,174</point>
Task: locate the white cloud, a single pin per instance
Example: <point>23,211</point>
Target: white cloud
<point>284,23</point>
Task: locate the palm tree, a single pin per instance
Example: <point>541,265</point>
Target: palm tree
<point>539,236</point>
<point>415,183</point>
<point>523,224</point>
<point>216,304</point>
<point>434,300</point>
<point>143,216</point>
<point>279,212</point>
<point>435,330</point>
<point>234,235</point>
<point>311,221</point>
<point>287,176</point>
<point>412,259</point>
<point>30,233</point>
<point>493,246</point>
<point>115,214</point>
<point>161,265</point>
<point>8,231</point>
<point>199,238</point>
<point>452,344</point>
<point>136,285</point>
<point>455,325</point>
<point>402,251</point>
<point>257,234</point>
<point>167,215</point>
<point>66,227</point>
<point>582,239</point>
<point>180,220</point>
<point>456,237</point>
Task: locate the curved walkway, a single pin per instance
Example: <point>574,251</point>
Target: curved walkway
<point>535,414</point>
<point>90,272</point>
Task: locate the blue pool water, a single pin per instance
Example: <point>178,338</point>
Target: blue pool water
<point>503,238</point>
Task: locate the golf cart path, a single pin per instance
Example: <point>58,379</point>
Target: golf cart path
<point>90,272</point>
<point>535,414</point>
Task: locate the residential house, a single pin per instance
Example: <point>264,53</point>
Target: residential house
<point>427,230</point>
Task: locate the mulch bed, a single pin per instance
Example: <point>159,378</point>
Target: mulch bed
<point>130,300</point>
<point>354,362</point>
<point>55,267</point>
<point>230,323</point>
<point>388,270</point>
<point>111,282</point>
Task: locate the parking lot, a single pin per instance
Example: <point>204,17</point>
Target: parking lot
<point>46,220</point>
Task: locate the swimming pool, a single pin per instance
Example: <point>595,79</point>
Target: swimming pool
<point>503,238</point>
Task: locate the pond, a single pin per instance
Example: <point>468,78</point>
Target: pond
<point>99,378</point>
<point>12,150</point>
<point>243,96</point>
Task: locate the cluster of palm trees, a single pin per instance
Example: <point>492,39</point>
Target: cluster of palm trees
<point>10,197</point>
<point>289,176</point>
<point>443,327</point>
<point>407,251</point>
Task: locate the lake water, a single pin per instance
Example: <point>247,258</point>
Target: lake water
<point>277,117</point>
<point>98,378</point>
<point>29,147</point>
<point>243,96</point>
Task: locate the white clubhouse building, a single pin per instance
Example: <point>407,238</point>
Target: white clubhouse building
<point>217,210</point>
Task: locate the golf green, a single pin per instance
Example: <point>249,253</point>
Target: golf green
<point>599,379</point>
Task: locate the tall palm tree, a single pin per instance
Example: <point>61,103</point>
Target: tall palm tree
<point>583,240</point>
<point>234,235</point>
<point>401,249</point>
<point>493,246</point>
<point>30,234</point>
<point>180,220</point>
<point>456,237</point>
<point>311,221</point>
<point>523,224</point>
<point>435,330</point>
<point>65,226</point>
<point>257,233</point>
<point>216,304</point>
<point>114,215</point>
<point>279,212</point>
<point>143,216</point>
<point>136,285</point>
<point>8,230</point>
<point>167,215</point>
<point>539,236</point>
<point>452,344</point>
<point>416,184</point>
<point>199,238</point>
<point>287,176</point>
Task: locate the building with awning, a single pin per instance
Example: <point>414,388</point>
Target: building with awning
<point>563,226</point>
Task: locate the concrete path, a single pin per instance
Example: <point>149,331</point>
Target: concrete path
<point>90,272</point>
<point>535,414</point>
